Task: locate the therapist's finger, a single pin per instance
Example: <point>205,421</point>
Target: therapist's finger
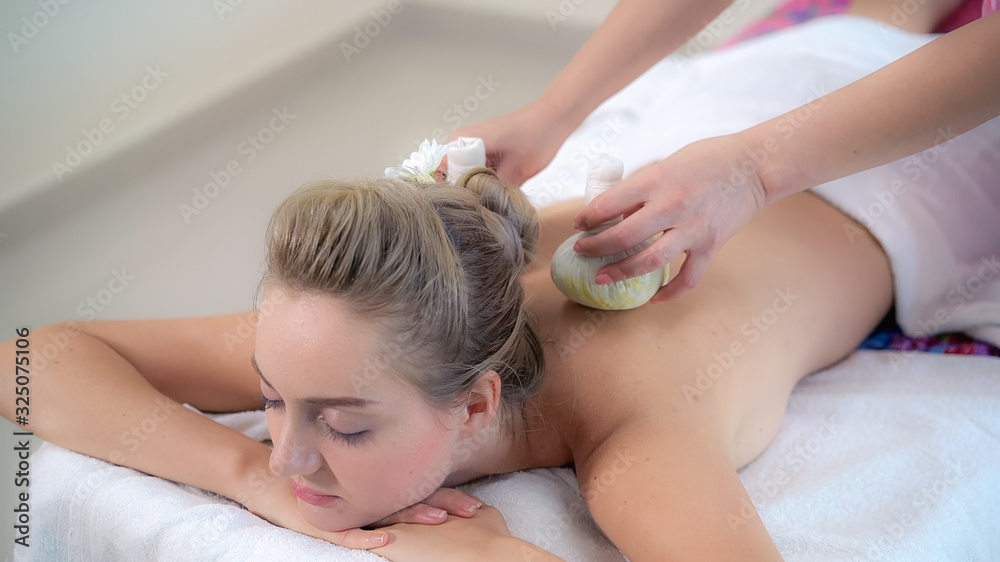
<point>654,257</point>
<point>629,233</point>
<point>624,198</point>
<point>441,174</point>
<point>692,270</point>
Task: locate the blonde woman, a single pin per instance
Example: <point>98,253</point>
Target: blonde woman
<point>410,338</point>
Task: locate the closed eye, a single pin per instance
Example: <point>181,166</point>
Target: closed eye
<point>268,404</point>
<point>348,438</point>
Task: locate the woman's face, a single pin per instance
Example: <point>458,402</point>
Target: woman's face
<point>342,426</point>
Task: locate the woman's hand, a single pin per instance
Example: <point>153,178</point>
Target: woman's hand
<point>698,197</point>
<point>483,537</point>
<point>521,143</point>
<point>435,509</point>
<point>272,499</point>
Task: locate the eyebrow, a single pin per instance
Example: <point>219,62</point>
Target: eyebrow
<point>332,402</point>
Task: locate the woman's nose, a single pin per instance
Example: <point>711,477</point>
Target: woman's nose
<point>293,454</point>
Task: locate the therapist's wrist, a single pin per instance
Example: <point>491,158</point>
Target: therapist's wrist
<point>562,113</point>
<point>780,167</point>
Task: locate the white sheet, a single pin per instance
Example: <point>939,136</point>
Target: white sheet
<point>885,456</point>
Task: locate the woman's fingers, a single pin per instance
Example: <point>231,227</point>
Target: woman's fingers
<point>417,513</point>
<point>435,509</point>
<point>441,174</point>
<point>454,502</point>
<point>359,539</point>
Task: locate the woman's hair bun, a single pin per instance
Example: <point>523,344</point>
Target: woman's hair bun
<point>508,202</point>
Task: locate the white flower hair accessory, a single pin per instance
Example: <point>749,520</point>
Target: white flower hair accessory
<point>421,165</point>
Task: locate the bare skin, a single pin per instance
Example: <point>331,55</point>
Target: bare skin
<point>613,404</point>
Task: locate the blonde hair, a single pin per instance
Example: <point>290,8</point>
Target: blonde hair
<point>436,265</point>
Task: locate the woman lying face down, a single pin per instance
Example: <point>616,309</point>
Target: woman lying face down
<point>398,354</point>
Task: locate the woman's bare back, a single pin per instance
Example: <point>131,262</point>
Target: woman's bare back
<point>660,405</point>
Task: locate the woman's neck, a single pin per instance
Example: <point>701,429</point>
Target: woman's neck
<point>533,442</point>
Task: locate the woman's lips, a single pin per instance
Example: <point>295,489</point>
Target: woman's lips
<point>311,496</point>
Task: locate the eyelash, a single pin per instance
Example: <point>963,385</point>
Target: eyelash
<point>347,438</point>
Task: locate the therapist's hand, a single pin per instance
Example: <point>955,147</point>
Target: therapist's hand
<point>521,143</point>
<point>698,197</point>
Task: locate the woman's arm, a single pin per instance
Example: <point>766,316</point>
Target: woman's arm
<point>927,97</point>
<point>113,392</point>
<point>668,491</point>
<point>114,389</point>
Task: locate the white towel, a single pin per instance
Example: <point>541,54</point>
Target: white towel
<point>885,456</point>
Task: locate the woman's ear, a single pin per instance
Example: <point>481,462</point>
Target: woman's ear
<point>483,404</point>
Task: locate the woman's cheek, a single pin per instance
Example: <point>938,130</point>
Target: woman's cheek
<point>427,463</point>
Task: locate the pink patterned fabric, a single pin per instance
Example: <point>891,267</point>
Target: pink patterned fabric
<point>798,11</point>
<point>791,13</point>
<point>967,12</point>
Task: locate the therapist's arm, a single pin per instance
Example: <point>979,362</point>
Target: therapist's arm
<point>635,35</point>
<point>935,93</point>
